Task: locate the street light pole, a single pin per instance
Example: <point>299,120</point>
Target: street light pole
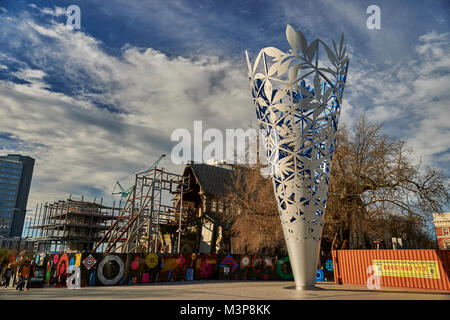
<point>20,238</point>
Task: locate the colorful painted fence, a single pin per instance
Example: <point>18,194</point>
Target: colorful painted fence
<point>129,269</point>
<point>421,269</point>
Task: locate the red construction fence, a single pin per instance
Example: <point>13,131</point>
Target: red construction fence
<point>421,269</point>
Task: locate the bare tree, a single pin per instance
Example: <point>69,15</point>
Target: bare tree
<point>375,187</point>
<point>374,179</point>
<point>252,214</point>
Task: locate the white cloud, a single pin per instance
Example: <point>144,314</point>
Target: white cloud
<point>433,36</point>
<point>382,113</point>
<point>33,76</point>
<point>55,12</point>
<point>431,98</point>
<point>79,145</point>
<point>412,95</point>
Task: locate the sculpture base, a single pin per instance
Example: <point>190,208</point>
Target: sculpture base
<point>305,288</point>
<point>303,255</point>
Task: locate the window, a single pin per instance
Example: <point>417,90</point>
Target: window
<point>15,171</point>
<point>6,197</point>
<point>447,244</point>
<point>213,206</point>
<point>445,231</point>
<point>11,165</point>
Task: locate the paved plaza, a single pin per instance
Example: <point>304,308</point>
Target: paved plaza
<point>222,290</point>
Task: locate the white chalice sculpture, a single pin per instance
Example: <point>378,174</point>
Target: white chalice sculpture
<point>298,98</point>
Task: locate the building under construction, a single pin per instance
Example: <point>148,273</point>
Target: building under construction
<point>148,209</point>
<point>71,225</point>
<point>163,213</point>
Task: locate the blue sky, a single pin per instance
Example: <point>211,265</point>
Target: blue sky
<point>91,105</point>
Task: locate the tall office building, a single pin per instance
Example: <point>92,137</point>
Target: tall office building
<point>15,180</point>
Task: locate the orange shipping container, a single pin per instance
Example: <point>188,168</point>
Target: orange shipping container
<point>421,269</point>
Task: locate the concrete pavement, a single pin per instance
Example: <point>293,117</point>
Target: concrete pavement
<point>222,290</point>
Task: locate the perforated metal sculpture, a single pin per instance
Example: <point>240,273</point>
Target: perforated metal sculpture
<point>298,97</point>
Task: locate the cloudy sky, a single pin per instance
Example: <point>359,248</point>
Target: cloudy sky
<point>92,105</point>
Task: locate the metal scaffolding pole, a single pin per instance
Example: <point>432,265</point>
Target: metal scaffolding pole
<point>140,219</point>
<point>34,220</point>
<point>181,212</point>
<point>152,203</point>
<point>38,230</point>
<point>157,217</point>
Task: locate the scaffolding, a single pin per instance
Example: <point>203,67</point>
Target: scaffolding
<point>70,225</point>
<point>137,228</point>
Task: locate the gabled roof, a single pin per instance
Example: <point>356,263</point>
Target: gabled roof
<point>212,179</point>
